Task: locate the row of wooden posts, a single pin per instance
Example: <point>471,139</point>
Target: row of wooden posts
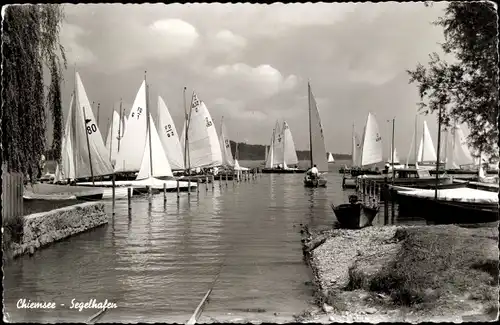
<point>374,192</point>
<point>242,176</point>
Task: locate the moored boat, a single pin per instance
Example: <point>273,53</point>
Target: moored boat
<point>459,205</point>
<point>355,215</point>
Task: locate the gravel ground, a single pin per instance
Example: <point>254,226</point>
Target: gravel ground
<point>331,253</point>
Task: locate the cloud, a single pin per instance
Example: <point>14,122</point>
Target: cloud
<point>225,40</point>
<point>264,78</point>
<point>75,52</point>
<point>258,58</point>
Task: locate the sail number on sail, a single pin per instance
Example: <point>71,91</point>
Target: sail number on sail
<point>169,131</point>
<point>90,128</point>
<point>139,111</point>
<point>209,123</point>
<point>227,143</point>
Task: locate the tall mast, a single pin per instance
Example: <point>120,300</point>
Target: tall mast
<point>284,147</point>
<point>353,147</point>
<point>111,139</point>
<point>120,126</point>
<point>392,152</point>
<point>438,152</point>
<point>416,144</point>
<point>148,126</point>
<point>98,107</point>
<point>310,130</point>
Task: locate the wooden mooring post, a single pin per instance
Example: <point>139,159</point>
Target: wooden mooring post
<point>114,194</point>
<point>164,193</point>
<point>364,190</point>
<point>393,210</point>
<point>178,190</point>
<point>150,195</point>
<point>206,183</point>
<point>386,202</point>
<point>198,187</point>
<point>226,180</point>
<point>129,197</point>
<point>189,185</point>
<point>220,180</point>
<point>213,181</point>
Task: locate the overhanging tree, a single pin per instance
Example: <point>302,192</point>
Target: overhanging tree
<point>466,90</point>
<point>30,42</point>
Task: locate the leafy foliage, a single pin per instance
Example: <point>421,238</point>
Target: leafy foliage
<point>30,41</point>
<point>466,90</point>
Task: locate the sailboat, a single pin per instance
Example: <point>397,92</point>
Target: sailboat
<point>142,150</point>
<point>83,153</point>
<point>203,142</point>
<point>169,137</point>
<point>317,149</point>
<point>372,143</point>
<point>227,156</point>
<point>282,152</point>
<point>426,154</point>
<point>330,158</point>
<point>114,135</point>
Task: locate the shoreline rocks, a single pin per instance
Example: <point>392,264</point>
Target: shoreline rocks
<point>346,263</point>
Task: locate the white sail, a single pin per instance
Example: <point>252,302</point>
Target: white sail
<point>265,153</point>
<point>238,167</point>
<point>317,139</point>
<point>426,151</point>
<point>330,158</point>
<point>372,142</point>
<point>278,158</point>
<point>160,166</point>
<point>113,136</point>
<point>289,152</point>
<point>169,137</point>
<point>66,169</point>
<point>355,150</point>
<point>132,144</point>
<point>204,146</point>
<point>84,127</point>
<point>227,156</point>
<point>462,152</point>
<point>396,157</point>
<point>270,153</point>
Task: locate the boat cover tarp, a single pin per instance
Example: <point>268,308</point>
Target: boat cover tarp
<point>456,194</point>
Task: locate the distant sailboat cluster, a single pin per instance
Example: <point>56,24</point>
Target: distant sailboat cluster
<point>138,146</point>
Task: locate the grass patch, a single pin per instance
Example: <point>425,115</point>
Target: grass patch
<point>436,262</point>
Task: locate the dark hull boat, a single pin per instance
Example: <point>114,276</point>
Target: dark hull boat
<point>282,171</point>
<point>355,215</point>
<point>320,182</point>
<point>348,182</point>
<point>447,211</point>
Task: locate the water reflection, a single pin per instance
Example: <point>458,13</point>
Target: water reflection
<point>158,260</point>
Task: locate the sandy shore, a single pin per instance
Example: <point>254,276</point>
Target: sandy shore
<point>403,274</point>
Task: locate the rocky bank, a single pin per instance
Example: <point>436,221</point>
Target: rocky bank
<point>403,274</point>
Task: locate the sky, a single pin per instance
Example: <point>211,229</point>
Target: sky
<point>251,63</point>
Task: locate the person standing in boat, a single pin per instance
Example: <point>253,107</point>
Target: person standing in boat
<point>313,172</point>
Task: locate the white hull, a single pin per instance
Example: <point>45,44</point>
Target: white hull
<point>154,183</point>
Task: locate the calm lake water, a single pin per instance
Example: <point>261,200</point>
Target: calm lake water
<point>157,262</point>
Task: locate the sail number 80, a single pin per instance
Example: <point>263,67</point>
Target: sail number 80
<point>91,129</point>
